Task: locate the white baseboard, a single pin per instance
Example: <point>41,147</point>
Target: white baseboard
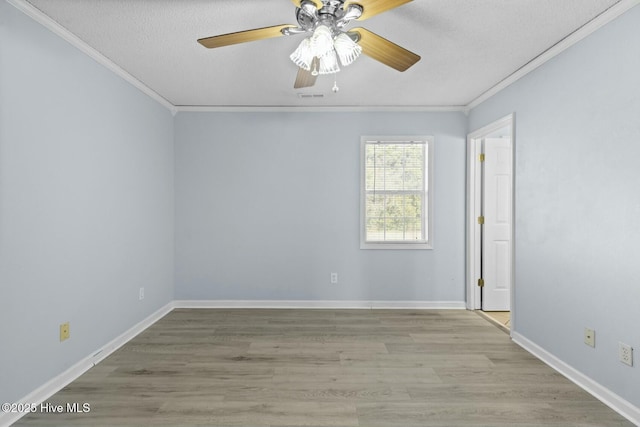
<point>127,336</point>
<point>320,304</point>
<point>606,396</point>
<point>57,383</point>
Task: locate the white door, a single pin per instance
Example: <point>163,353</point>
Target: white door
<point>496,231</point>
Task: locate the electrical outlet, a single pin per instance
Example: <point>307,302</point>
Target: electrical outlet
<point>625,353</point>
<point>64,331</point>
<point>141,294</point>
<point>590,337</point>
<point>334,278</point>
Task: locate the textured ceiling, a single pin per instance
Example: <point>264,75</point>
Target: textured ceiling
<point>467,47</point>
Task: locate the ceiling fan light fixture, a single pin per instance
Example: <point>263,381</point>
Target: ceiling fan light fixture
<point>303,55</point>
<point>328,45</point>
<point>347,50</point>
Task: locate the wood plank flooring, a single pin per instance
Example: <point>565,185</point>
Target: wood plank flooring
<point>276,368</point>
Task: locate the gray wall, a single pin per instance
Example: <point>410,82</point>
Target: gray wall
<point>578,201</point>
<point>86,204</point>
<point>267,206</point>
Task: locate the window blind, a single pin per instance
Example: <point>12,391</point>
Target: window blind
<point>395,191</point>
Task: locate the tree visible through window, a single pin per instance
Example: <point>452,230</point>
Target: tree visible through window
<point>395,192</point>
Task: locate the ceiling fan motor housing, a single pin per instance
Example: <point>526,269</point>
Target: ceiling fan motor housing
<point>332,7</point>
<point>332,14</point>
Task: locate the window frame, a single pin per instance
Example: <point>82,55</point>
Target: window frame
<point>427,213</point>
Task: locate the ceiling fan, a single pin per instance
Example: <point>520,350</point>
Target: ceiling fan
<point>330,44</point>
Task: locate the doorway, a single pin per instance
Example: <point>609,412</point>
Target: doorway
<point>490,227</point>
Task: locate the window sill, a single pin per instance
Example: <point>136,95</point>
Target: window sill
<point>396,246</point>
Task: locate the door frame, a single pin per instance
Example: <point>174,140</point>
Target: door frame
<point>474,209</point>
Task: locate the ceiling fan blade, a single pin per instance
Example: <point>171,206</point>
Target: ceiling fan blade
<point>373,7</point>
<point>305,78</point>
<point>243,36</point>
<point>318,3</point>
<point>385,51</point>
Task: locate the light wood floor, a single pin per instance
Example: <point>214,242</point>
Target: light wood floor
<point>502,317</point>
<point>325,368</point>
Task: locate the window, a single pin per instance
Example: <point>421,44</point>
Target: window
<point>395,192</point>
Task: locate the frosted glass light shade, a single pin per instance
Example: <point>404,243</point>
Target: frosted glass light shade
<point>347,50</point>
<point>303,55</point>
<point>327,49</point>
<point>321,41</point>
<point>328,63</point>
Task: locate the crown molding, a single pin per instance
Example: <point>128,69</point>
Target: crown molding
<point>37,15</point>
<point>317,109</point>
<point>590,27</point>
